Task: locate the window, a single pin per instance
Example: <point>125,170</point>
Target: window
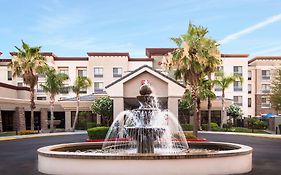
<point>265,88</point>
<point>220,68</point>
<point>238,100</point>
<point>20,84</point>
<point>63,70</point>
<point>249,88</point>
<point>265,74</point>
<point>98,72</point>
<point>237,86</point>
<point>249,102</point>
<point>10,75</point>
<point>41,98</point>
<point>249,75</point>
<point>265,102</point>
<point>237,70</point>
<point>217,88</point>
<point>98,86</point>
<point>39,87</point>
<point>117,72</point>
<point>64,89</point>
<point>82,72</point>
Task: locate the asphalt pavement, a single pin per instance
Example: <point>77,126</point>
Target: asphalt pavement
<point>19,156</point>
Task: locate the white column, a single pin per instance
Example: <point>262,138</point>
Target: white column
<point>118,106</point>
<point>67,120</point>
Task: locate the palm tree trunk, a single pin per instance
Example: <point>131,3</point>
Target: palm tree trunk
<point>209,106</point>
<point>76,114</point>
<point>199,113</point>
<point>52,101</point>
<point>195,119</point>
<point>223,110</point>
<point>32,107</point>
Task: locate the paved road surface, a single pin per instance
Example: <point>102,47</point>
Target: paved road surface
<point>19,157</point>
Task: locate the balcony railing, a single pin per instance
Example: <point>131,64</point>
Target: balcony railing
<point>237,88</point>
<point>238,103</point>
<point>265,77</point>
<point>117,75</point>
<point>265,105</point>
<point>98,75</point>
<point>64,90</point>
<point>265,91</point>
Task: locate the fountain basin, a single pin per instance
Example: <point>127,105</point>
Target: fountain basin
<point>211,158</point>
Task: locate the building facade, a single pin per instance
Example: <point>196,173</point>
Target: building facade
<point>118,75</point>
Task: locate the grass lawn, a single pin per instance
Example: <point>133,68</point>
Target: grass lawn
<point>239,129</point>
<point>10,133</point>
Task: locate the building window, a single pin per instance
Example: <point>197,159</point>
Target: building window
<point>265,102</point>
<point>10,75</point>
<point>249,75</point>
<point>265,74</point>
<point>117,72</point>
<point>98,86</point>
<point>217,88</point>
<point>63,70</point>
<point>98,72</point>
<point>237,86</point>
<point>249,88</point>
<point>39,87</point>
<point>238,100</point>
<point>219,68</point>
<point>237,70</point>
<point>64,89</point>
<point>249,102</point>
<point>265,88</point>
<point>82,72</point>
<point>41,98</point>
<point>20,84</point>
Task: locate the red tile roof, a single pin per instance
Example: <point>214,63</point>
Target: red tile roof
<point>5,60</point>
<point>71,58</point>
<point>9,86</point>
<point>0,53</point>
<point>141,59</point>
<point>264,58</point>
<point>157,51</point>
<point>108,54</point>
<point>224,55</point>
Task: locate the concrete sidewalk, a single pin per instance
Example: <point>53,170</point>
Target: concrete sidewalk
<point>271,136</point>
<point>15,137</point>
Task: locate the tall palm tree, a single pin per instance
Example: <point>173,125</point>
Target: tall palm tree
<point>79,84</point>
<point>223,81</point>
<point>28,64</point>
<point>190,61</point>
<point>53,85</point>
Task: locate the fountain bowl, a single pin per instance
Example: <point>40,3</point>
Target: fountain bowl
<point>202,158</point>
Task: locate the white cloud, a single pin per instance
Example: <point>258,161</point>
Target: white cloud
<point>270,51</point>
<point>251,29</point>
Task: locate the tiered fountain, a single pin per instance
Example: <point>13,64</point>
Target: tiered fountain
<point>145,141</point>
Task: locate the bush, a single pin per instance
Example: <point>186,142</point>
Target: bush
<point>189,135</point>
<point>187,127</point>
<point>97,132</point>
<point>28,132</point>
<point>213,126</point>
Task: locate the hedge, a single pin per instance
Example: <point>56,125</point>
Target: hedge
<point>98,132</point>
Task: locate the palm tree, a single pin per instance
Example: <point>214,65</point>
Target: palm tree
<point>53,85</point>
<point>223,81</point>
<point>190,61</point>
<point>79,84</point>
<point>204,93</point>
<point>28,64</point>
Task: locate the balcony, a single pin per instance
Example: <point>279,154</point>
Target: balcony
<point>98,75</point>
<point>266,105</point>
<point>265,77</point>
<point>237,88</point>
<point>238,103</point>
<point>64,90</point>
<point>117,75</point>
<point>265,91</point>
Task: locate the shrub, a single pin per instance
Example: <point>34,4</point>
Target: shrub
<point>27,132</point>
<point>189,135</point>
<point>187,127</point>
<point>97,132</point>
<point>213,126</point>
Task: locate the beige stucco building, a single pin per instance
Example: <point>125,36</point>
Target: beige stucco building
<point>115,74</point>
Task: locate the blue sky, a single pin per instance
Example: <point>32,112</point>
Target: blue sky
<point>72,28</point>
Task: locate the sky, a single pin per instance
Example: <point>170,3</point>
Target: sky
<point>73,28</point>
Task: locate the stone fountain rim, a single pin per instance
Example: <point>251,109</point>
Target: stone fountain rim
<point>48,151</point>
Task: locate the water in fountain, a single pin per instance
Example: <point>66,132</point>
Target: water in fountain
<point>145,130</point>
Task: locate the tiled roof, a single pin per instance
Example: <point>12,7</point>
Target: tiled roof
<point>108,54</point>
<point>71,58</point>
<point>264,58</point>
<point>5,60</point>
<point>225,55</point>
<point>9,86</point>
<point>90,97</point>
<point>157,51</point>
<point>51,54</point>
<point>141,59</point>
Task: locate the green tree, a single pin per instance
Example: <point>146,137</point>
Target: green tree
<point>28,63</point>
<point>190,60</point>
<point>79,84</point>
<point>103,106</point>
<point>275,97</point>
<point>53,85</point>
<point>234,111</point>
<point>224,81</point>
<point>185,103</point>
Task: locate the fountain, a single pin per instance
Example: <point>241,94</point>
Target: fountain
<point>145,141</point>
